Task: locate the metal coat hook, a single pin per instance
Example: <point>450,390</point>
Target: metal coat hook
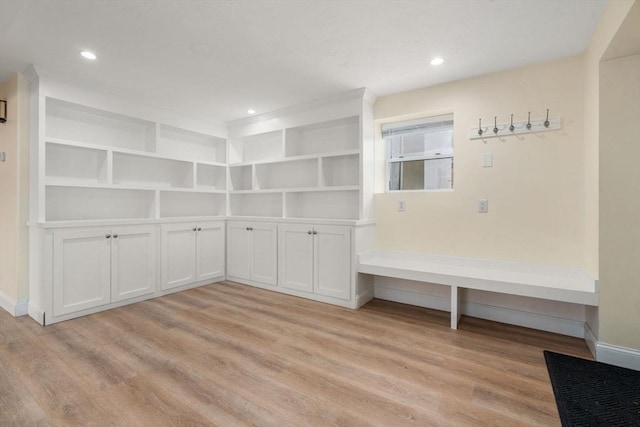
<point>495,124</point>
<point>546,122</point>
<point>480,131</point>
<point>529,121</point>
<point>512,127</point>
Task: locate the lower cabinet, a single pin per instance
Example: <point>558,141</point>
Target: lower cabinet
<point>315,259</point>
<point>93,267</point>
<point>252,252</point>
<point>192,253</point>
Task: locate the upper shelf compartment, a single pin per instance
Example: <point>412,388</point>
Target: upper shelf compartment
<point>73,122</point>
<point>323,138</point>
<point>188,145</point>
<point>256,148</point>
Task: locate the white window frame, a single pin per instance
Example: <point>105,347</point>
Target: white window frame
<point>440,122</point>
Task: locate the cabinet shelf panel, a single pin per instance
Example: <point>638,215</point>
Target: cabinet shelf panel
<point>341,170</point>
<point>262,204</point>
<point>211,177</point>
<point>323,204</point>
<point>78,203</point>
<point>301,173</point>
<point>191,204</point>
<point>256,148</point>
<point>148,171</point>
<point>189,145</point>
<point>336,135</point>
<point>72,163</point>
<point>241,178</point>
<point>74,122</point>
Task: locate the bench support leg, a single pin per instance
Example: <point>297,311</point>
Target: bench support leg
<point>455,307</point>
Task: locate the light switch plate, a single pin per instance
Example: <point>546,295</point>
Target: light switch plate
<point>3,156</point>
<point>401,206</point>
<point>483,206</point>
<point>487,160</point>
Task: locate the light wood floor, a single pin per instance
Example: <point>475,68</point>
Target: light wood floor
<point>228,354</point>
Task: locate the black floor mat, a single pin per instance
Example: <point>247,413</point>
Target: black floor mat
<point>591,393</point>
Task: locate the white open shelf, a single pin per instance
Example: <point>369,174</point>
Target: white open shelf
<point>101,165</point>
<point>340,170</point>
<point>132,169</point>
<point>79,164</point>
<point>241,177</point>
<point>255,148</point>
<point>188,145</point>
<point>256,204</point>
<point>299,173</point>
<point>185,204</point>
<point>323,204</point>
<point>86,203</point>
<point>326,137</point>
<point>210,177</point>
<point>74,122</point>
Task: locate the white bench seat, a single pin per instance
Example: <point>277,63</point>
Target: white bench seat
<point>531,280</point>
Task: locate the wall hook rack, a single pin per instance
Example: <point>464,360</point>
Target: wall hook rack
<point>514,128</point>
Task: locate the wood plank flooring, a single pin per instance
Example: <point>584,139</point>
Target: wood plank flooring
<point>232,355</point>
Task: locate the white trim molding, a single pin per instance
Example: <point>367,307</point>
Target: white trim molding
<point>619,356</point>
<point>15,308</point>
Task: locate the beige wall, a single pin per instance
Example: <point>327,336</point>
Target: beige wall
<point>620,202</point>
<point>535,188</point>
<point>613,15</point>
<point>14,191</point>
<point>619,184</point>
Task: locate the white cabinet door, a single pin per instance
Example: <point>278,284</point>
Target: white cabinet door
<point>296,257</point>
<point>133,262</point>
<point>238,250</point>
<point>81,269</point>
<point>332,261</point>
<point>210,250</point>
<point>178,255</point>
<point>264,253</point>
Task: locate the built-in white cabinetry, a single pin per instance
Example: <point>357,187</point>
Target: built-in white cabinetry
<point>100,165</point>
<point>192,253</point>
<point>316,259</point>
<point>127,201</point>
<point>303,163</point>
<point>252,252</point>
<point>309,171</point>
<point>97,266</point>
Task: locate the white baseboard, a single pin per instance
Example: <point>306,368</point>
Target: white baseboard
<point>435,302</point>
<point>541,322</point>
<point>15,308</point>
<point>619,356</point>
<point>36,313</point>
<point>364,297</point>
<point>591,339</point>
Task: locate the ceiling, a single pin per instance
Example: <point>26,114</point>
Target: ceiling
<point>216,58</point>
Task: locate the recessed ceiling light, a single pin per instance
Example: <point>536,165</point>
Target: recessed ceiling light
<point>251,111</point>
<point>437,60</point>
<point>88,54</point>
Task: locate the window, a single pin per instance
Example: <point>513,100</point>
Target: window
<point>420,153</point>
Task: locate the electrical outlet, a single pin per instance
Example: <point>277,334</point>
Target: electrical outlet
<point>401,206</point>
<point>483,206</point>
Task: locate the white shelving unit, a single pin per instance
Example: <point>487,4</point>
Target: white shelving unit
<point>311,170</point>
<point>100,165</point>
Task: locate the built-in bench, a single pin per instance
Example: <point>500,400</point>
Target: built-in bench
<point>531,280</point>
